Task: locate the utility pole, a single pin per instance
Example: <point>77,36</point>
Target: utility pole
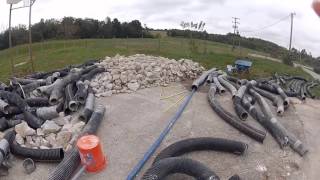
<point>30,34</point>
<point>10,41</point>
<point>235,26</point>
<point>290,44</point>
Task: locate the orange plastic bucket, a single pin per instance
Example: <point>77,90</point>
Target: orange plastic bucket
<point>91,153</point>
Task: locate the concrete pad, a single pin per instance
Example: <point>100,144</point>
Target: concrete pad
<point>134,121</point>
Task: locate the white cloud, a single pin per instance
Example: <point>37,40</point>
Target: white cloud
<point>253,15</point>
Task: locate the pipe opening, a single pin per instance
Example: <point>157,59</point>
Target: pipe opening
<point>222,91</point>
<point>38,91</point>
<point>81,98</point>
<point>82,118</point>
<point>244,116</point>
<point>53,101</point>
<point>73,106</point>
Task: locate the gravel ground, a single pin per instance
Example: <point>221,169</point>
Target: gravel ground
<point>134,121</point>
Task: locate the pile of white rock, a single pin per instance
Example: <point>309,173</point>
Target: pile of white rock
<point>61,132</point>
<point>128,74</point>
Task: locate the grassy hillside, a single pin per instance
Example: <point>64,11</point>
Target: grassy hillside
<point>57,54</point>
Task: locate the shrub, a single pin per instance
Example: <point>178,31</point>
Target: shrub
<point>288,59</point>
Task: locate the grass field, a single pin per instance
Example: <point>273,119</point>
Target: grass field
<point>57,54</point>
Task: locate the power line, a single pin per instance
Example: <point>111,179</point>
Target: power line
<point>235,23</point>
<point>268,26</point>
<point>235,27</point>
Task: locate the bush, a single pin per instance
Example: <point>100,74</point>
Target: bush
<point>288,59</point>
<point>317,69</point>
<point>193,46</point>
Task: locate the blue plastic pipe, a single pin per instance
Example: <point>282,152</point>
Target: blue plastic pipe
<point>163,134</point>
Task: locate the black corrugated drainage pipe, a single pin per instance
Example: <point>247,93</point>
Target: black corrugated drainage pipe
<point>71,161</point>
<point>202,79</point>
<point>4,106</point>
<point>30,87</point>
<point>37,102</point>
<point>276,101</point>
<point>14,99</point>
<point>92,73</point>
<point>82,92</point>
<point>240,111</point>
<point>201,144</point>
<point>170,166</point>
<point>45,155</point>
<point>32,120</point>
<point>47,113</point>
<point>57,91</point>
<point>283,95</point>
<point>88,108</point>
<point>294,143</point>
<point>47,90</point>
<point>227,85</point>
<point>267,124</point>
<point>219,86</point>
<point>233,120</point>
<point>70,100</point>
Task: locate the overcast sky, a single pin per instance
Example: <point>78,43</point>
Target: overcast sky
<point>253,14</point>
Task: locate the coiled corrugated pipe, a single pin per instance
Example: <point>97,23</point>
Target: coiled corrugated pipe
<point>88,108</point>
<point>295,143</point>
<point>82,92</point>
<point>71,161</point>
<point>201,144</point>
<point>45,155</point>
<point>227,85</point>
<point>276,101</point>
<point>232,120</point>
<point>170,166</point>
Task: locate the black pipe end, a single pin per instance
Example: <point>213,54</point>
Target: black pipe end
<point>244,116</point>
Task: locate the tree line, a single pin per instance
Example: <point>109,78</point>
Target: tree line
<point>252,43</point>
<point>74,28</point>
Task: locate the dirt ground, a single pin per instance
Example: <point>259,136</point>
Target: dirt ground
<point>134,121</point>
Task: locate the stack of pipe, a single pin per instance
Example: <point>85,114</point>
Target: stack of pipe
<point>245,93</point>
<point>42,96</point>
